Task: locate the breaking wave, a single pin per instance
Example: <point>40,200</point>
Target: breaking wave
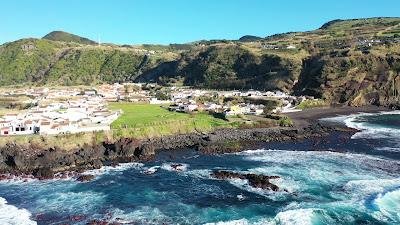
<point>289,217</point>
<point>11,215</point>
<point>119,168</point>
<point>388,204</point>
<point>177,167</point>
<point>366,128</point>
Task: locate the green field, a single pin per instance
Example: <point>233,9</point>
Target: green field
<point>145,120</point>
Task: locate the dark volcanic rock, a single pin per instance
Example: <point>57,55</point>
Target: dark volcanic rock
<point>85,178</point>
<point>177,167</point>
<point>257,181</point>
<point>43,163</point>
<point>44,173</point>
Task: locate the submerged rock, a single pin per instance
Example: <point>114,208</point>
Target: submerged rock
<point>85,178</point>
<point>255,180</point>
<point>177,167</point>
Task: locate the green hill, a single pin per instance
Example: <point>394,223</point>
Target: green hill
<point>345,61</point>
<point>250,38</point>
<point>67,37</point>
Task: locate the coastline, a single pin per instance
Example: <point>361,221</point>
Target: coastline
<point>45,163</point>
<point>310,116</point>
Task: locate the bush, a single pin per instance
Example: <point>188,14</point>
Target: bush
<point>285,122</point>
<point>311,104</point>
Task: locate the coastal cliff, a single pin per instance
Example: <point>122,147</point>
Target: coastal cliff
<point>44,163</point>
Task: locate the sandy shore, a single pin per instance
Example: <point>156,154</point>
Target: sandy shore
<point>310,116</point>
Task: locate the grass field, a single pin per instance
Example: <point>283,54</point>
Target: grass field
<point>145,120</point>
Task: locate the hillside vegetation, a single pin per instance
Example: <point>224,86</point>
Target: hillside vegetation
<point>67,37</point>
<point>352,62</point>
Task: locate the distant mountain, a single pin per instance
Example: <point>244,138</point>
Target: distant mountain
<point>353,62</point>
<point>67,37</point>
<point>247,38</point>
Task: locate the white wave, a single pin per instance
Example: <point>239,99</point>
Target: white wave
<point>11,215</point>
<point>151,170</point>
<point>244,222</point>
<point>303,217</point>
<point>18,179</point>
<point>367,130</point>
<point>304,171</point>
<point>142,215</point>
<point>79,202</point>
<point>176,167</point>
<point>359,193</point>
<point>312,158</point>
<point>232,222</point>
<point>371,186</point>
<point>289,217</point>
<point>109,169</point>
<point>200,173</point>
<point>389,205</point>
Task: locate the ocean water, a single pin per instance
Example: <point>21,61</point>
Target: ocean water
<point>329,181</point>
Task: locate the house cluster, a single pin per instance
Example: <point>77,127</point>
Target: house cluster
<point>375,42</point>
<point>83,114</point>
<point>185,101</point>
<point>368,42</point>
<point>277,47</point>
<point>130,92</point>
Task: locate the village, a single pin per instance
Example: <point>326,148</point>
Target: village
<point>72,110</point>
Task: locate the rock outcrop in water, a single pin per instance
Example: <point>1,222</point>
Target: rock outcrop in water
<point>44,163</point>
<point>256,181</point>
<point>85,178</point>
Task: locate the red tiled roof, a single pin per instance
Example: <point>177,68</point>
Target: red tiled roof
<point>28,122</point>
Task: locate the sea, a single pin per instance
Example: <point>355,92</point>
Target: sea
<point>332,180</point>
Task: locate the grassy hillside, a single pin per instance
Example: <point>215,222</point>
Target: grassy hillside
<point>38,62</point>
<point>344,61</point>
<point>67,37</point>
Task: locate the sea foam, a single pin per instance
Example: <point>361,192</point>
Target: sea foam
<point>11,215</point>
<point>289,217</point>
<point>389,204</point>
<point>367,130</point>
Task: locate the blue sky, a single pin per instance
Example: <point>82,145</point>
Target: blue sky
<point>178,21</point>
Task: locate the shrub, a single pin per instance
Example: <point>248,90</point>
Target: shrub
<point>285,122</point>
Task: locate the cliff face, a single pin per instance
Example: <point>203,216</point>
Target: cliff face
<point>353,79</point>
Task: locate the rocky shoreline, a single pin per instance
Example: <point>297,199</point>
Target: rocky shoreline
<point>20,161</point>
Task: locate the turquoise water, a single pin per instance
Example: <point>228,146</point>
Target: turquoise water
<point>353,182</point>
